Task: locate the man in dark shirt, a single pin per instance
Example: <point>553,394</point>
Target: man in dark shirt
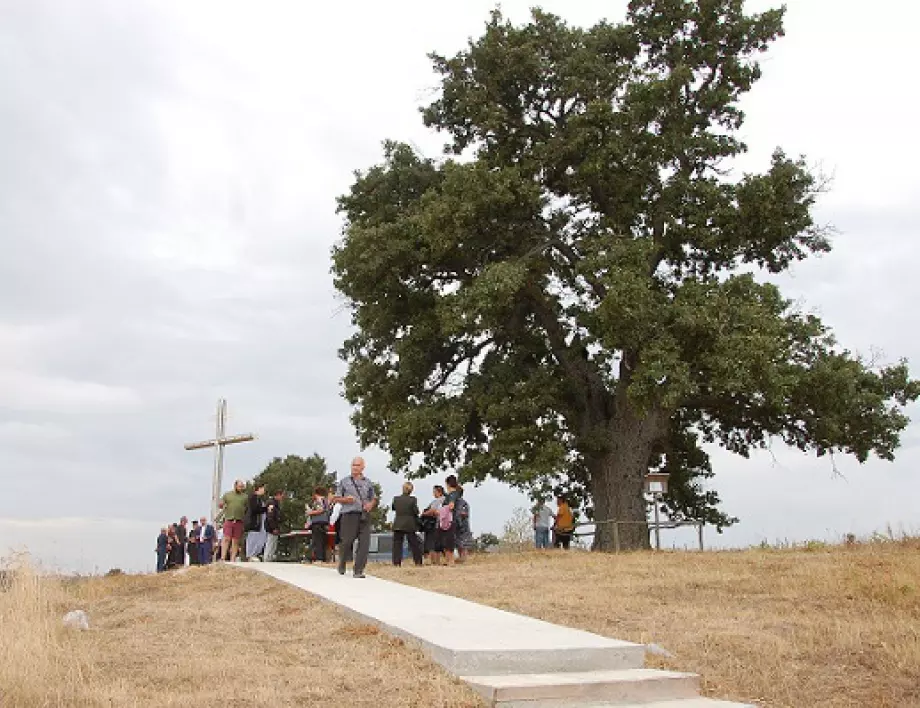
<point>194,537</point>
<point>182,537</point>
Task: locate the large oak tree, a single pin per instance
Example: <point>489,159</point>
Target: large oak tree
<point>581,294</point>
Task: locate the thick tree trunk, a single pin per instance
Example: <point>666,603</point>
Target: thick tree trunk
<point>618,485</point>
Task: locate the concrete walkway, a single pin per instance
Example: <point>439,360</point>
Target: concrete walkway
<point>509,659</point>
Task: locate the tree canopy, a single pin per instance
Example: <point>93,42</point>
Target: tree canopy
<point>579,292</point>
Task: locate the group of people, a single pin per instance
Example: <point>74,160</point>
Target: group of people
<point>206,543</point>
<point>561,524</point>
<point>178,543</point>
<point>339,517</point>
<point>444,525</point>
<point>259,518</point>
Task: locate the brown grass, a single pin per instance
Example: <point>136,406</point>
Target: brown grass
<point>826,627</point>
<point>206,637</point>
<point>37,664</point>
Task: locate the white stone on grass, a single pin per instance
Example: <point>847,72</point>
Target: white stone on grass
<point>658,650</point>
<point>76,619</point>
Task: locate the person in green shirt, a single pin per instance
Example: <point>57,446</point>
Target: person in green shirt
<point>233,504</point>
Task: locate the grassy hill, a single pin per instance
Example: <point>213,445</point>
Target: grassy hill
<point>200,638</point>
<point>812,627</point>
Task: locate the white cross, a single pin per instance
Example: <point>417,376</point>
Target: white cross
<point>218,443</point>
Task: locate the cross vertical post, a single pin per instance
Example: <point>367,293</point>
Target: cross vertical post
<point>221,440</point>
<point>218,456</point>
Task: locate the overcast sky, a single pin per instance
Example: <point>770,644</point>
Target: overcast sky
<point>168,176</point>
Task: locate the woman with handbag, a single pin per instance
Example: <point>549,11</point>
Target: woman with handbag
<point>405,525</point>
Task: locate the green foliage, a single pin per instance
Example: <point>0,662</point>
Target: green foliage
<point>582,294</point>
<point>486,541</point>
<point>379,514</point>
<point>297,477</point>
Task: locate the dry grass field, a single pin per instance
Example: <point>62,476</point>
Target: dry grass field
<point>206,637</point>
<point>805,628</point>
<point>816,627</point>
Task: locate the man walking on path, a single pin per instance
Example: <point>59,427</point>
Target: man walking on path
<point>273,519</point>
<point>234,507</point>
<point>357,496</point>
<point>206,543</point>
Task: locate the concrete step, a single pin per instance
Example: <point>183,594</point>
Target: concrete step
<point>464,637</point>
<point>679,703</point>
<point>575,688</point>
<point>685,703</point>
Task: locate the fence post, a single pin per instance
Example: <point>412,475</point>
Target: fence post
<point>657,527</point>
<point>700,530</point>
<point>616,536</point>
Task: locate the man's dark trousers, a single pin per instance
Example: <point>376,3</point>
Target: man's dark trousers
<point>355,525</point>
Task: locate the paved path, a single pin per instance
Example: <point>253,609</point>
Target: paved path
<point>509,659</point>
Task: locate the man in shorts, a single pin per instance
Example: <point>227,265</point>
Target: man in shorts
<point>234,505</point>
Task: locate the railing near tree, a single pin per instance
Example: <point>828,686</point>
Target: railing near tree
<point>652,526</point>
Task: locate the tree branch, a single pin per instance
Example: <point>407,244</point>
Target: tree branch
<point>572,256</point>
<point>589,385</point>
<point>448,370</point>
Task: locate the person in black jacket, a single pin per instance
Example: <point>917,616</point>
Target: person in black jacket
<point>175,555</point>
<point>182,537</point>
<point>273,518</point>
<point>192,546</point>
<point>255,524</point>
<point>405,525</point>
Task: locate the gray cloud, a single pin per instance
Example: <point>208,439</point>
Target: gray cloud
<point>167,196</point>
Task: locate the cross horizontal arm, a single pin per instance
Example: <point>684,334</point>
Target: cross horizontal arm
<point>228,440</point>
